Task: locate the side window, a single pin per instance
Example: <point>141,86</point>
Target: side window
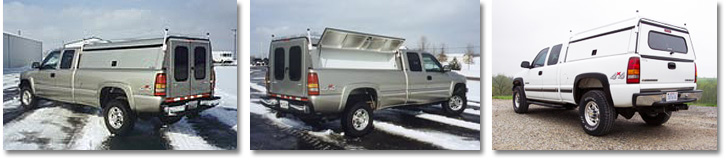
<point>414,63</point>
<point>181,63</point>
<point>67,59</point>
<point>431,64</point>
<point>540,59</point>
<point>295,63</point>
<point>51,61</point>
<point>279,61</point>
<point>200,62</point>
<point>554,55</point>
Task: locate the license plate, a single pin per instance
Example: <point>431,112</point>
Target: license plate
<point>193,104</point>
<point>284,104</point>
<point>671,96</point>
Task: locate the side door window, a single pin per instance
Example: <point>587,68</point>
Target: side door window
<point>200,62</point>
<point>431,64</point>
<point>539,61</point>
<point>414,63</point>
<point>67,59</point>
<point>279,61</point>
<point>181,63</point>
<point>51,61</point>
<point>554,55</point>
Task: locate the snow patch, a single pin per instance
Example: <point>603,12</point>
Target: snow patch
<point>447,141</point>
<point>183,137</point>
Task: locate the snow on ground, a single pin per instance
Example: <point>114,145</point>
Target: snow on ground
<point>93,135</point>
<point>442,119</point>
<point>43,129</point>
<point>444,140</point>
<point>183,137</point>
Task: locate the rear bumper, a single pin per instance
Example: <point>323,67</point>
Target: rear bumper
<point>659,98</point>
<point>293,106</point>
<point>190,106</point>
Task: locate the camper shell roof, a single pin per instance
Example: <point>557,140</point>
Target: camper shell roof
<point>626,24</point>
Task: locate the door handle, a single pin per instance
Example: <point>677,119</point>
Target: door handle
<point>671,65</point>
<point>52,75</point>
<point>428,77</point>
<point>540,72</point>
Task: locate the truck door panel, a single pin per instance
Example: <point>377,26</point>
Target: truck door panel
<point>438,83</point>
<point>64,76</point>
<point>533,81</point>
<point>416,79</point>
<point>550,75</point>
<point>44,80</point>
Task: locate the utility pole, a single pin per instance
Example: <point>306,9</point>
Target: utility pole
<point>234,52</point>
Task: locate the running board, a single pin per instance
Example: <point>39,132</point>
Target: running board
<point>555,105</point>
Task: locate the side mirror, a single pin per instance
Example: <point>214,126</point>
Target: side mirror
<point>35,65</point>
<point>525,64</point>
<point>447,68</point>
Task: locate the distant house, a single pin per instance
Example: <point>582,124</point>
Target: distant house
<point>20,51</point>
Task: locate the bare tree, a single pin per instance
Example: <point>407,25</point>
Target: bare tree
<point>468,58</point>
<point>442,55</point>
<point>423,43</point>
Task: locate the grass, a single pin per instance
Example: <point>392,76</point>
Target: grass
<point>509,97</point>
<point>702,104</point>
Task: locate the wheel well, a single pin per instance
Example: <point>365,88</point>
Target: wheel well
<point>590,81</point>
<point>459,86</point>
<point>24,82</point>
<point>108,93</point>
<point>517,82</point>
<point>363,94</point>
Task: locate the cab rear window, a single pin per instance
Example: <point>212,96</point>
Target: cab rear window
<point>667,42</point>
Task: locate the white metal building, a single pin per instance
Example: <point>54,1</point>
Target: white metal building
<point>19,51</point>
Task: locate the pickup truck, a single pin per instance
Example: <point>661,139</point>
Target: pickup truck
<point>635,65</point>
<point>346,75</point>
<point>165,77</point>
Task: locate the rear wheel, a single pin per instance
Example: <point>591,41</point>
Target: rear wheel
<point>597,116</point>
<point>27,98</point>
<point>456,103</point>
<point>118,116</point>
<point>357,119</point>
<point>519,102</point>
<point>655,119</point>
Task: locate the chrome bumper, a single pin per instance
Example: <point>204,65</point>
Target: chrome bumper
<point>190,106</point>
<point>659,98</point>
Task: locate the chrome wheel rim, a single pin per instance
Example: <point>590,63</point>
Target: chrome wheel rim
<point>115,117</point>
<point>27,97</point>
<point>592,113</point>
<point>455,103</point>
<point>360,119</point>
<point>516,100</point>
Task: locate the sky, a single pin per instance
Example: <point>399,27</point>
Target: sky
<point>520,28</point>
<point>455,23</point>
<point>54,22</point>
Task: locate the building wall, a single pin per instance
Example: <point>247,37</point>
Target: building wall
<point>20,52</point>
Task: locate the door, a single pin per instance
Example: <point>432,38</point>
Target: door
<point>44,81</point>
<point>438,82</point>
<point>288,69</point>
<point>550,75</point>
<point>179,75</point>
<point>667,55</point>
<point>64,76</point>
<point>417,79</point>
<point>200,76</point>
<point>533,81</point>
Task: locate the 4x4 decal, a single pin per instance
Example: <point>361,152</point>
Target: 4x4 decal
<point>618,75</point>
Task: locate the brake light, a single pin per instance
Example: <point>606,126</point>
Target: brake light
<point>633,70</point>
<point>695,73</point>
<point>313,84</point>
<point>213,78</point>
<point>160,85</point>
<point>267,79</point>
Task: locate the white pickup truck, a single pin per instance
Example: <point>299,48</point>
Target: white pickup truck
<point>636,65</point>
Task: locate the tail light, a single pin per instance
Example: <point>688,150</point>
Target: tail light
<point>633,70</point>
<point>267,80</point>
<point>160,85</point>
<point>695,73</point>
<point>213,79</point>
<point>313,84</point>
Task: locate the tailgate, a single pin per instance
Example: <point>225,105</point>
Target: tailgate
<point>666,52</point>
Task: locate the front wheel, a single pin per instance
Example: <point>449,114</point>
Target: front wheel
<point>655,119</point>
<point>118,117</point>
<point>597,116</point>
<point>357,119</point>
<point>519,102</point>
<point>456,104</point>
<point>27,98</point>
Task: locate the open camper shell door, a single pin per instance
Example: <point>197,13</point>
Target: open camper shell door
<point>341,49</point>
<point>342,39</point>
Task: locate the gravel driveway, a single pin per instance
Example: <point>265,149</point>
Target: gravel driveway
<point>546,128</point>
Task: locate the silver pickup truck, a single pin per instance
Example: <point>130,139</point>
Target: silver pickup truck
<point>345,74</point>
<point>163,77</point>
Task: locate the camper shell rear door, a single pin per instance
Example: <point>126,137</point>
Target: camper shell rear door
<point>288,67</point>
<point>667,55</point>
<point>189,68</point>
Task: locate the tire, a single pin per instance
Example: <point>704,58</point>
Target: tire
<point>456,103</point>
<point>597,116</point>
<point>519,101</point>
<point>115,109</point>
<point>168,120</point>
<point>28,100</point>
<point>657,119</point>
<point>357,119</point>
